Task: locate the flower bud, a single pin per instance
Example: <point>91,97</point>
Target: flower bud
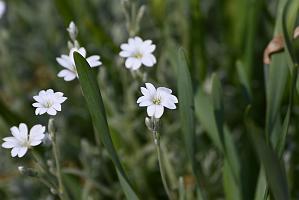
<point>27,171</point>
<point>73,31</point>
<point>47,140</point>
<point>148,123</point>
<point>51,128</point>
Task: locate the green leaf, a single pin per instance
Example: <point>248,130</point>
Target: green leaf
<point>275,89</point>
<point>231,189</point>
<point>204,111</point>
<point>261,188</point>
<point>288,21</point>
<point>244,80</point>
<point>275,173</point>
<point>186,107</point>
<point>276,75</point>
<point>218,107</point>
<point>293,65</point>
<point>96,108</point>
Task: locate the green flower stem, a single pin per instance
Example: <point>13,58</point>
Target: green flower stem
<point>45,182</point>
<point>38,162</point>
<point>44,170</point>
<point>163,176</point>
<point>61,191</point>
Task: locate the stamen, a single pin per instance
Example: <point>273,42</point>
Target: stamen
<point>138,55</point>
<point>157,100</point>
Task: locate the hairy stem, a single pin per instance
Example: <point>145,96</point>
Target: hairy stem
<point>160,161</point>
<point>61,191</point>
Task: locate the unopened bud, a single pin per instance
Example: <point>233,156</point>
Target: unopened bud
<point>51,128</point>
<point>148,123</point>
<point>140,14</point>
<point>73,31</point>
<point>53,191</point>
<point>27,171</point>
<point>47,140</point>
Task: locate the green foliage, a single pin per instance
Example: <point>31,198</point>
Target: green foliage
<point>212,146</point>
<point>96,108</point>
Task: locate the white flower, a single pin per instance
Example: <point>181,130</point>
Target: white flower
<point>156,100</point>
<point>21,141</point>
<point>2,8</point>
<point>67,61</point>
<point>73,30</point>
<point>48,102</point>
<point>138,52</point>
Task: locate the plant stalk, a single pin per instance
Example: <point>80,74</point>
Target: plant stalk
<point>160,161</point>
<point>61,191</point>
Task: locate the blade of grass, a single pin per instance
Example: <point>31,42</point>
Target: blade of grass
<point>96,108</point>
<point>186,105</point>
<point>276,75</point>
<point>205,113</point>
<point>293,65</point>
<point>218,108</point>
<point>231,189</point>
<point>244,79</point>
<point>275,174</point>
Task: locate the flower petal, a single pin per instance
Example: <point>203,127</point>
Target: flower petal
<point>151,88</point>
<point>168,104</point>
<point>151,110</point>
<point>125,54</point>
<point>65,62</point>
<point>126,47</point>
<point>10,144</point>
<point>67,75</point>
<point>132,62</point>
<point>144,101</point>
<point>51,111</point>
<point>22,151</point>
<point>14,151</point>
<point>35,142</point>
<point>37,105</point>
<point>159,111</point>
<point>37,133</point>
<point>137,64</point>
<point>21,133</point>
<point>82,51</point>
<point>94,61</point>
<point>57,106</point>
<point>164,89</point>
<point>148,60</point>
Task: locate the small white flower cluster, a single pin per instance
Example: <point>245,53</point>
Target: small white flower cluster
<point>47,101</point>
<point>137,53</point>
<point>21,141</point>
<point>69,72</point>
<point>156,100</point>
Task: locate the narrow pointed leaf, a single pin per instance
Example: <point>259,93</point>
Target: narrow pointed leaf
<point>186,107</point>
<point>275,173</point>
<point>218,106</point>
<point>96,108</point>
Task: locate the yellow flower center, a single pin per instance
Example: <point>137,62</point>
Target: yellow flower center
<point>157,100</point>
<point>48,104</point>
<point>138,55</point>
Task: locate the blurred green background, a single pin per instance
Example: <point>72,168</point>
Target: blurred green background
<point>217,35</point>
